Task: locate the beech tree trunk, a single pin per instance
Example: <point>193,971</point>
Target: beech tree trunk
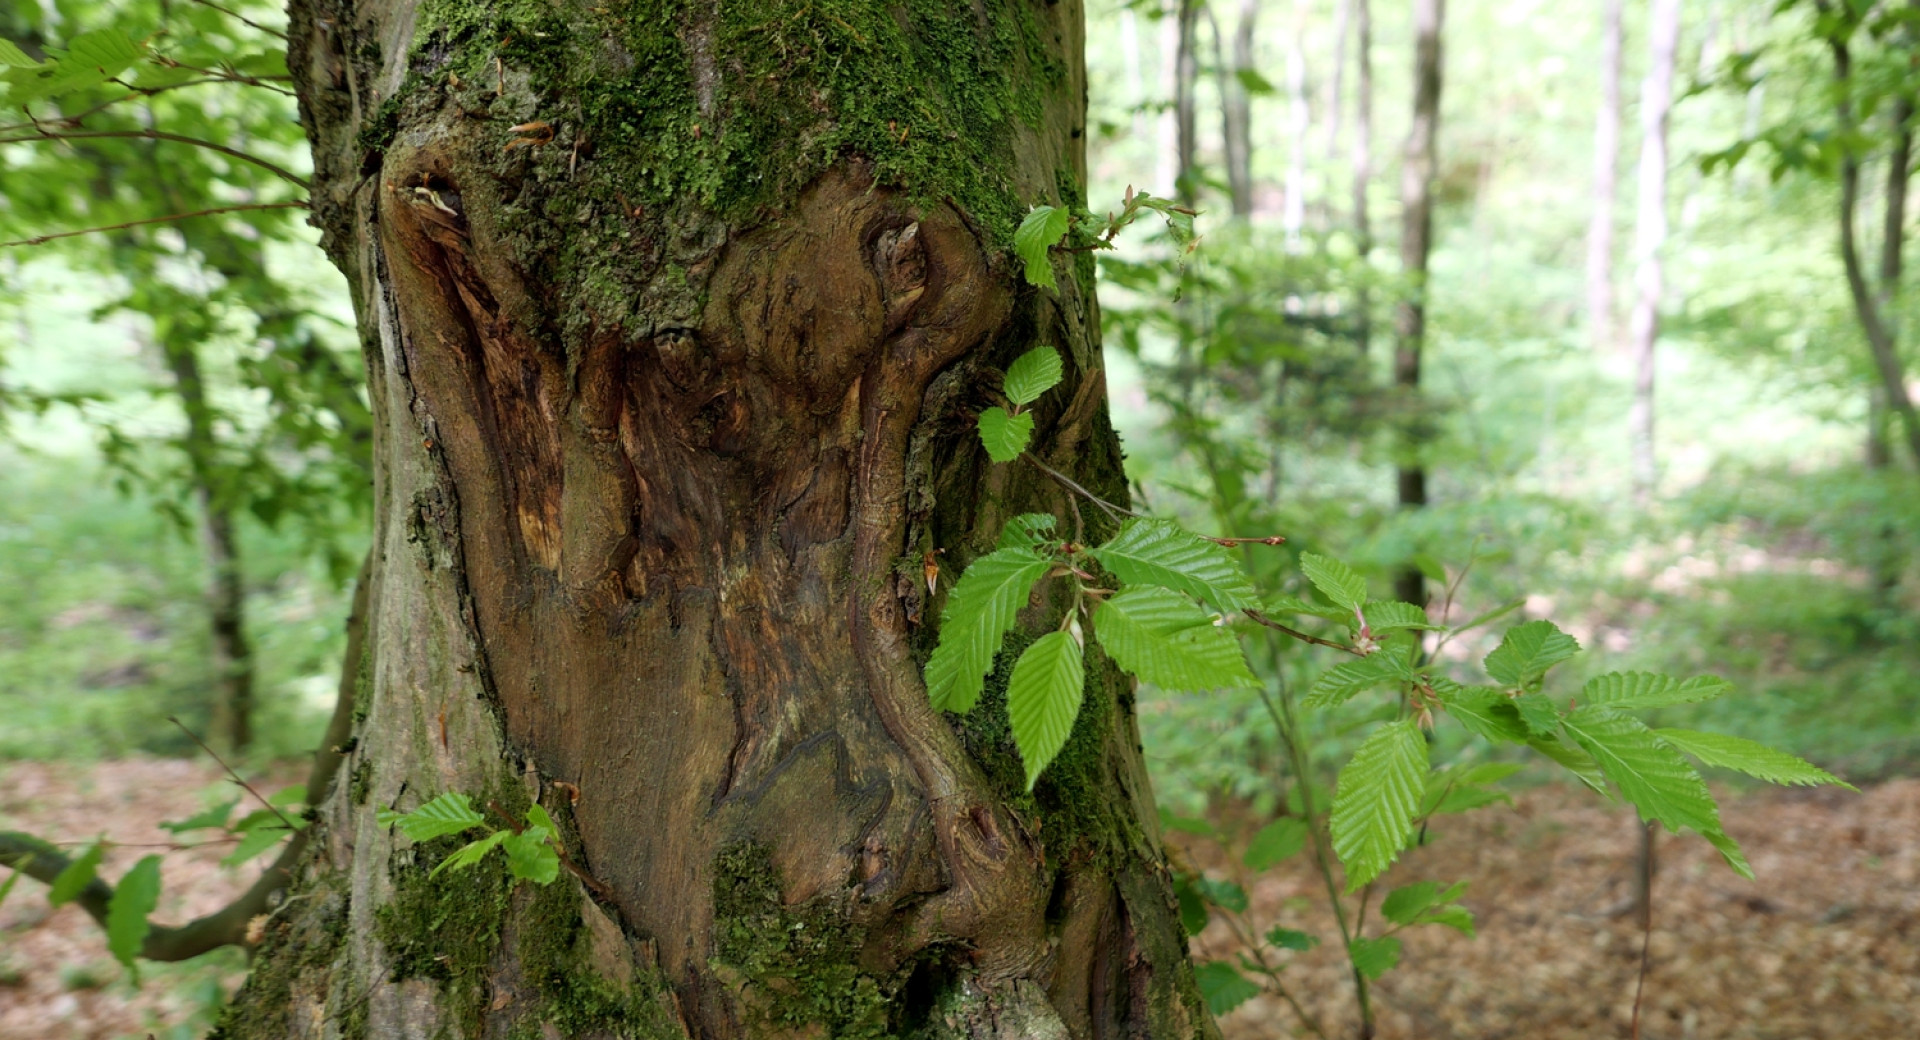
<point>1362,169</point>
<point>676,320</point>
<point>1650,238</point>
<point>1417,164</point>
<point>1606,164</point>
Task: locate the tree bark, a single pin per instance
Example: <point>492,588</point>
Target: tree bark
<point>1649,239</point>
<point>1416,243</point>
<point>1606,162</point>
<point>1293,216</point>
<point>1362,169</point>
<point>1236,114</point>
<point>1186,114</point>
<point>676,324</point>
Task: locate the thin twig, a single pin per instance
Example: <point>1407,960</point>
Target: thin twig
<point>229,75</point>
<point>249,788</point>
<point>33,123</point>
<point>157,135</point>
<point>1118,511</point>
<point>39,239</point>
<point>1646,945</point>
<point>243,18</point>
<point>1246,938</point>
<point>1302,636</point>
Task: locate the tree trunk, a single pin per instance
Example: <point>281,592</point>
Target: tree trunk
<point>676,324</point>
<point>1293,217</point>
<point>1606,162</point>
<point>1336,85</point>
<point>1186,114</point>
<point>1236,115</point>
<point>1362,169</point>
<point>1416,242</point>
<point>1649,238</point>
<point>232,721</point>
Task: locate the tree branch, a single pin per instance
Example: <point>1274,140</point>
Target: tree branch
<point>40,239</point>
<point>242,18</point>
<point>227,926</point>
<point>158,135</point>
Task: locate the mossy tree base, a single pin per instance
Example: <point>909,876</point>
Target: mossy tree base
<point>677,316</point>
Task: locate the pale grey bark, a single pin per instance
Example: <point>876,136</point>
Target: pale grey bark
<point>1363,167</point>
<point>1606,163</point>
<point>1649,240</point>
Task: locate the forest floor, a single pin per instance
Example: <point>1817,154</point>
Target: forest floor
<point>1825,945</point>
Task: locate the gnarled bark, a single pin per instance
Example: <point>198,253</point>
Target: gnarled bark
<point>676,318</point>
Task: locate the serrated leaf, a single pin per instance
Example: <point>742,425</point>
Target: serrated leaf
<point>1275,842</point>
<point>1648,773</point>
<point>1291,939</point>
<point>1464,798</point>
<point>79,873</point>
<point>1042,229</point>
<point>1160,636</point>
<point>539,817</point>
<point>133,899</point>
<point>1156,552</point>
<point>531,857</point>
<point>1032,374</point>
<point>1632,691</point>
<point>1458,918</point>
<point>1005,435</point>
<point>1730,851</point>
<point>1221,893</point>
<point>1043,699</point>
<point>1750,757</point>
<point>1573,759</point>
<point>1343,681</point>
<point>1376,799</point>
<point>1528,651</point>
<point>1483,710</point>
<point>450,813</point>
<point>1028,531</point>
<point>1223,986</point>
<point>92,58</point>
<point>1540,714</point>
<point>1388,615</point>
<point>1193,907</point>
<point>1374,957</point>
<point>1335,580</point>
<point>472,852</point>
<point>979,611</point>
<point>206,819</point>
<point>1433,570</point>
<point>1405,904</point>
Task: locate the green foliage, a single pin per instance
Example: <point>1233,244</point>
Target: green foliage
<point>1529,649</point>
<point>1335,580</point>
<point>1425,902</point>
<point>1223,986</point>
<point>1628,691</point>
<point>1275,842</point>
<point>1162,637</point>
<point>450,813</point>
<point>1750,757</point>
<point>1374,957</point>
<point>1290,939</point>
<point>1157,552</point>
<point>980,610</point>
<point>79,873</point>
<point>1043,699</point>
<point>532,850</point>
<point>133,899</point>
<point>1032,374</point>
<point>1038,233</point>
<point>1005,435</point>
<point>1375,802</point>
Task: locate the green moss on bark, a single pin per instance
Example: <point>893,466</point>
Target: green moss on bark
<point>306,941</point>
<point>446,928</point>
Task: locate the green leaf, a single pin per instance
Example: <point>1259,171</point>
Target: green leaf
<point>1186,824</point>
<point>1539,713</point>
<point>1345,680</point>
<point>69,883</point>
<point>206,819</point>
<point>1376,799</point>
<point>1335,580</point>
<point>19,868</point>
<point>1160,636</point>
<point>1043,699</point>
<point>1483,710</point>
<point>1374,957</point>
<point>1156,552</point>
<point>1275,842</point>
<point>1528,651</point>
<point>1032,374</point>
<point>531,857</point>
<point>1040,231</point>
<point>1405,905</point>
<point>133,899</point>
<point>1223,986</point>
<point>1193,906</point>
<point>539,817</point>
<point>1433,570</point>
<point>1284,604</point>
<point>1631,691</point>
<point>1224,894</point>
<point>472,852</point>
<point>979,611</point>
<point>292,795</point>
<point>1005,435</point>
<point>1028,531</point>
<point>92,58</point>
<point>13,57</point>
<point>1388,615</point>
<point>1290,939</point>
<point>1575,761</point>
<point>1456,917</point>
<point>254,841</point>
<point>450,813</point>
<point>1754,759</point>
<point>1648,773</point>
<point>1492,615</point>
<point>1252,81</point>
<point>1730,851</point>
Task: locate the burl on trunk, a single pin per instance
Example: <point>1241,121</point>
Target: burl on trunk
<point>676,318</point>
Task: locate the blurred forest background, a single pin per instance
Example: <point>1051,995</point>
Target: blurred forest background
<point>1649,398</point>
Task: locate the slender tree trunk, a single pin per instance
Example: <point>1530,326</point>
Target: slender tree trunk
<point>1416,243</point>
<point>1186,113</point>
<point>670,403</point>
<point>1299,133</point>
<point>1606,163</point>
<point>1649,239</point>
<point>1363,170</point>
<point>226,596</point>
<point>1237,110</point>
<point>1336,86</point>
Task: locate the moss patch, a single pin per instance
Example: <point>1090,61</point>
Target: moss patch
<point>447,928</point>
<point>799,964</point>
<point>308,942</point>
<point>555,954</point>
